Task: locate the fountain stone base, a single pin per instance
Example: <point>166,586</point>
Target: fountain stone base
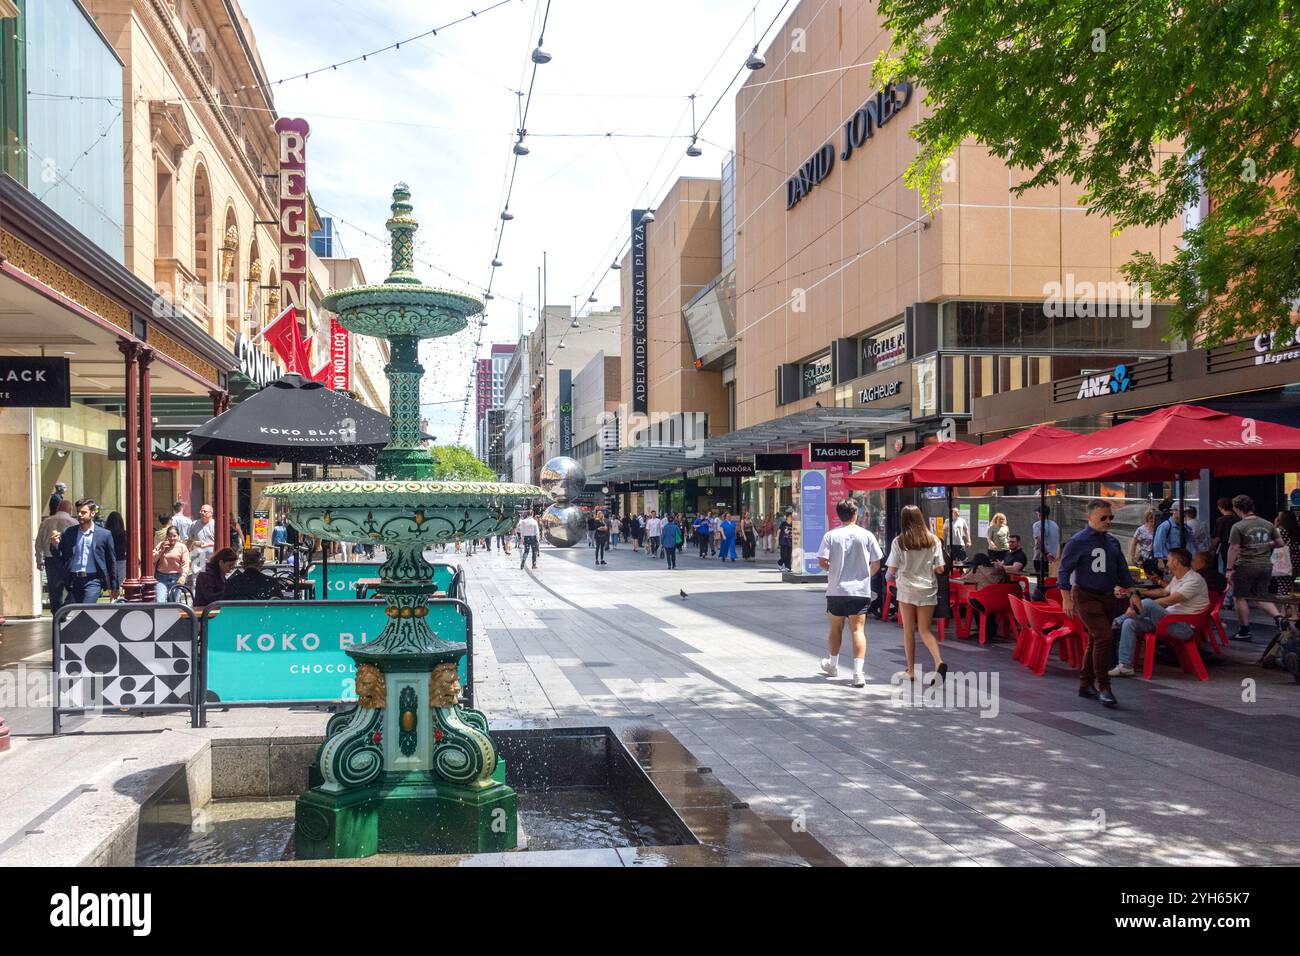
<point>406,813</point>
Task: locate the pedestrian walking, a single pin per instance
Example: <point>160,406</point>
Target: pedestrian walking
<point>785,542</point>
<point>1144,538</point>
<point>201,539</point>
<point>280,537</point>
<point>1223,530</point>
<point>999,537</point>
<point>1093,573</point>
<point>47,555</point>
<point>654,530</point>
<point>915,562</point>
<point>703,532</point>
<point>670,536</point>
<point>88,554</point>
<point>728,549</point>
<point>1251,544</point>
<point>748,534</point>
<point>171,564</point>
<point>56,498</point>
<point>600,536</point>
<point>638,532</point>
<point>181,521</point>
<point>115,526</point>
<point>850,555</point>
<point>715,537</point>
<point>958,535</point>
<point>615,527</point>
<point>1047,541</point>
<point>528,530</point>
<point>591,530</point>
<point>767,530</point>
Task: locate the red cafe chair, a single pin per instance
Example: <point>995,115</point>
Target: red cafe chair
<point>1025,642</point>
<point>991,601</point>
<point>1189,657</point>
<point>1214,630</point>
<point>958,594</point>
<point>1053,595</point>
<point>1051,627</point>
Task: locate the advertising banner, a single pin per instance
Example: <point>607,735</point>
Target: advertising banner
<point>294,216</point>
<point>35,382</point>
<point>261,529</point>
<point>640,317</point>
<point>812,517</point>
<point>294,651</point>
<point>339,377</point>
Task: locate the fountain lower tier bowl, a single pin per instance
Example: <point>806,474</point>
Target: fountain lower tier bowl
<point>401,511</point>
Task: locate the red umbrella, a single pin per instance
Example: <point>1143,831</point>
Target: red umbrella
<point>988,464</point>
<point>897,472</point>
<point>1181,439</point>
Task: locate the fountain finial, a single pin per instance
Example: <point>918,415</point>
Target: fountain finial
<point>401,226</point>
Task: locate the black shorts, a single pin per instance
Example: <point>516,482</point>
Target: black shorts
<point>843,606</point>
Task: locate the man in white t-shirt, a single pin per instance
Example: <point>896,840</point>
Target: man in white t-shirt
<point>1186,593</point>
<point>850,555</point>
<point>528,531</point>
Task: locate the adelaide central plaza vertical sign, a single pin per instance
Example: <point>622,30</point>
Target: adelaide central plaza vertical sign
<point>640,335</point>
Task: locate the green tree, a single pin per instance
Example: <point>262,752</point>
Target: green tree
<point>457,463</point>
<point>1094,92</point>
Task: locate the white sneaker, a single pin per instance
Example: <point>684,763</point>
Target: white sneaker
<point>860,680</point>
<point>830,667</point>
<point>1122,670</point>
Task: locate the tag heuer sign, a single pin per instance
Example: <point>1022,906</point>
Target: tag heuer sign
<point>837,451</point>
<point>35,382</point>
<point>168,445</point>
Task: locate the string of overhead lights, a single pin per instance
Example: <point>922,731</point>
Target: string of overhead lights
<point>538,57</point>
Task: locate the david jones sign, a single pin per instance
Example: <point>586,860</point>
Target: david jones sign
<point>860,127</point>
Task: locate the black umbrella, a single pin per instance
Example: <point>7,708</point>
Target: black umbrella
<point>297,420</point>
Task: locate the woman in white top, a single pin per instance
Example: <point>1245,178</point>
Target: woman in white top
<point>914,563</point>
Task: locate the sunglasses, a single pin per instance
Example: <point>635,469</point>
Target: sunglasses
<point>1106,518</point>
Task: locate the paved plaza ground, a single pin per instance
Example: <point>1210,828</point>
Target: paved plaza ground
<point>1185,772</point>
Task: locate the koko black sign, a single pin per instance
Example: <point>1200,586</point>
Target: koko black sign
<point>861,126</point>
<point>35,382</point>
<point>837,451</point>
<point>640,318</point>
<point>733,469</point>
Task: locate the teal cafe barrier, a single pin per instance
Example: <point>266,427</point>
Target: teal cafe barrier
<point>293,652</point>
<point>344,576</point>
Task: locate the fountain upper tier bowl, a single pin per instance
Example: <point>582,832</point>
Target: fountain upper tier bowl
<point>428,512</point>
<point>397,308</point>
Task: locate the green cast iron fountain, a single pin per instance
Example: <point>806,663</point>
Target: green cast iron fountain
<point>409,769</point>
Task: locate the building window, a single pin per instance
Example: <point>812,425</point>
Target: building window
<point>925,402</point>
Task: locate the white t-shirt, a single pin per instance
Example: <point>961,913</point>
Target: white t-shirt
<point>915,580</point>
<point>528,527</point>
<point>1193,594</point>
<point>958,532</point>
<point>850,549</point>
<point>656,527</point>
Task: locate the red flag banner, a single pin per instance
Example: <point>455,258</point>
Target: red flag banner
<point>286,338</point>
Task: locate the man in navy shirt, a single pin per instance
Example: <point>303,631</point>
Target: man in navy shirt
<point>1093,573</point>
<point>88,555</point>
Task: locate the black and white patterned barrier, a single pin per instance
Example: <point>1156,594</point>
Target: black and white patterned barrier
<point>135,656</point>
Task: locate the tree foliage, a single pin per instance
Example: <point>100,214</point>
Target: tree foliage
<point>457,463</point>
<point>1141,102</point>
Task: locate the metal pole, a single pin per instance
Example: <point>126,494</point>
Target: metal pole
<point>1182,511</point>
<point>293,544</point>
<point>325,551</point>
<point>1042,535</point>
<point>947,532</point>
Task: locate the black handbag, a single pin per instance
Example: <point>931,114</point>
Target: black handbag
<point>943,609</point>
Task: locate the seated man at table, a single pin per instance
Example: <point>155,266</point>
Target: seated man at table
<point>250,582</point>
<point>1185,593</point>
<point>1016,560</point>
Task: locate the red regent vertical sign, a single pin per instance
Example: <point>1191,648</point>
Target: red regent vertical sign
<point>340,367</point>
<point>295,231</point>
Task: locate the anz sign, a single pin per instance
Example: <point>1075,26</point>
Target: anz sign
<point>1107,383</point>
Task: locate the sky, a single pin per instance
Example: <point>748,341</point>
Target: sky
<point>441,112</point>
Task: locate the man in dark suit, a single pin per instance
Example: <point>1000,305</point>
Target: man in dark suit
<point>250,582</point>
<point>89,557</point>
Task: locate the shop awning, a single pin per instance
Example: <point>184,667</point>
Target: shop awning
<point>780,435</point>
<point>1180,439</point>
<point>989,464</point>
<point>899,472</point>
